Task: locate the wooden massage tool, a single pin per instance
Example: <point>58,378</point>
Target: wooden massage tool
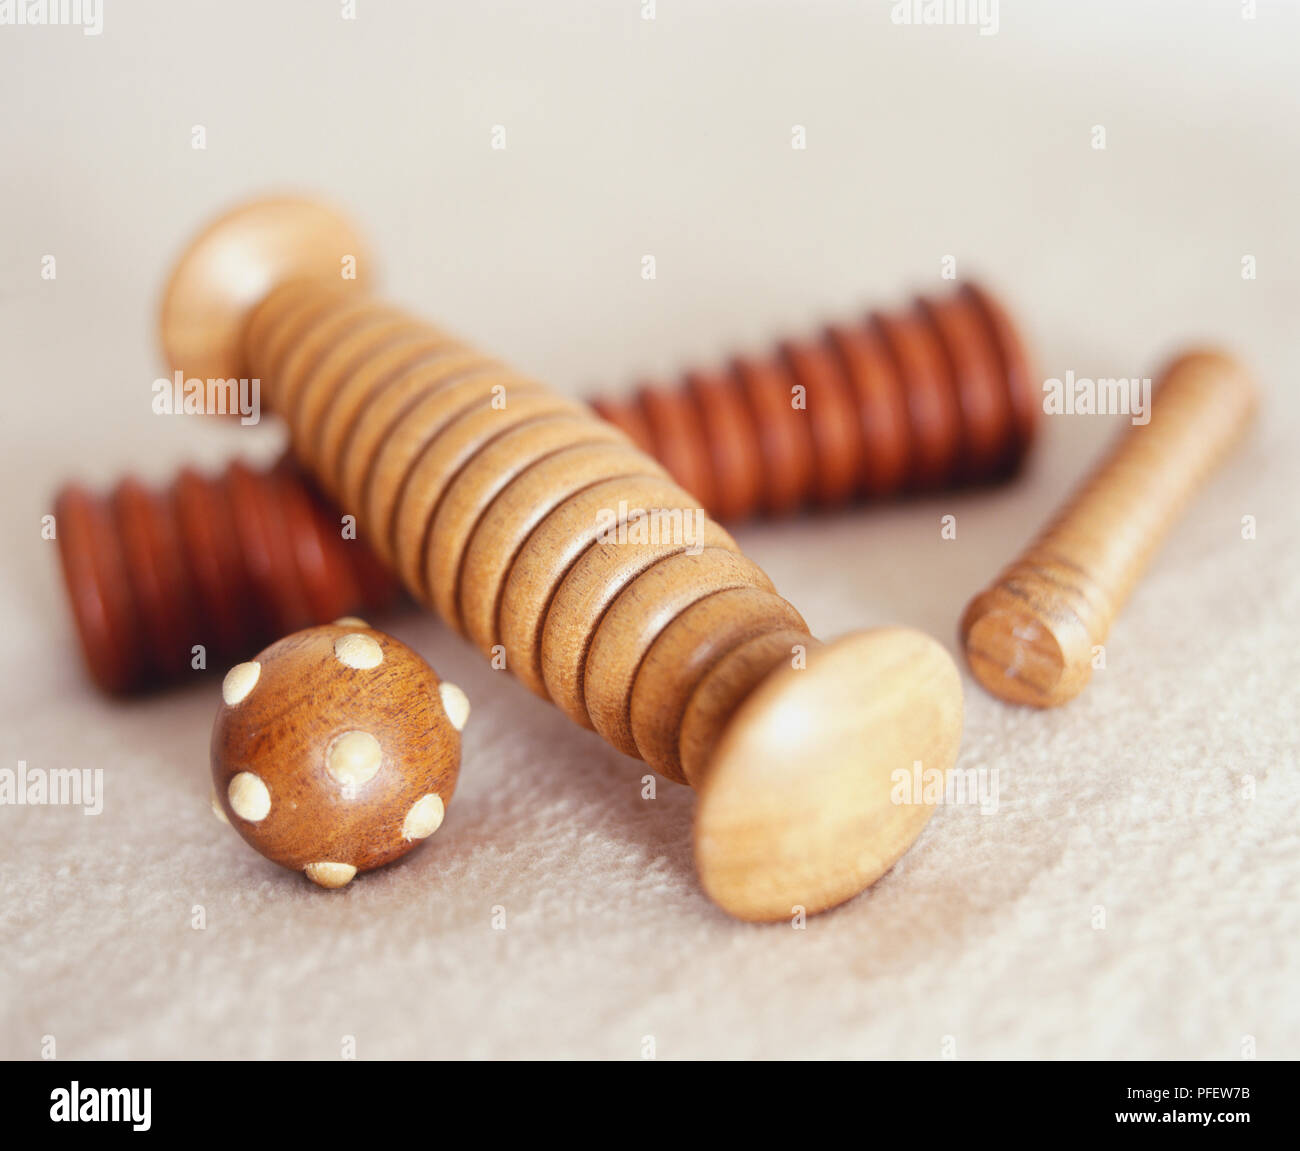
<point>1030,636</point>
<point>919,399</point>
<point>930,397</point>
<point>227,563</point>
<point>489,495</point>
<point>336,750</point>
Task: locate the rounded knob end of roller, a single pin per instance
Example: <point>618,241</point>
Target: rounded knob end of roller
<point>812,792</point>
<point>231,266</point>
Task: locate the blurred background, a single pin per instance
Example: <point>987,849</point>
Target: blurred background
<point>665,129</point>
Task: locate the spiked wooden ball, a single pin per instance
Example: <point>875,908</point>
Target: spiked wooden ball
<point>336,750</point>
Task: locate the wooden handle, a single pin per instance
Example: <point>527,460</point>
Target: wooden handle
<point>569,556</point>
<point>1030,637</point>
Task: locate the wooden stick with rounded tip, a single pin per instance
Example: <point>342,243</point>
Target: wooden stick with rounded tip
<point>1029,638</point>
<point>492,498</point>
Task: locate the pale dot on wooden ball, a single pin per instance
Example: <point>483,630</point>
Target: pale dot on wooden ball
<point>336,750</point>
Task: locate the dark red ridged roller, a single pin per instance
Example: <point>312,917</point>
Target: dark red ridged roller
<point>229,562</point>
<point>928,398</point>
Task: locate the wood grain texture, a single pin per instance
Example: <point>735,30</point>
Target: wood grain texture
<point>725,685</point>
<point>380,369</point>
<point>385,409</point>
<point>1029,638</point>
<point>684,652</point>
<point>336,364</point>
<point>632,623</point>
<point>583,597</point>
<point>812,838</point>
<point>314,339</point>
<point>418,428</point>
<point>442,459</point>
<point>320,757</point>
<point>652,639</point>
<point>520,508</point>
<point>555,546</point>
<point>476,487</point>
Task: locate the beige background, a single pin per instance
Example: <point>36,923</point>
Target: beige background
<point>671,137</point>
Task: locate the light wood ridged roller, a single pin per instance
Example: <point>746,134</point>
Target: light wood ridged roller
<point>1029,637</point>
<point>519,516</point>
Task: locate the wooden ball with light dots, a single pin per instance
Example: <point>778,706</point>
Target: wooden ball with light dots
<point>336,750</point>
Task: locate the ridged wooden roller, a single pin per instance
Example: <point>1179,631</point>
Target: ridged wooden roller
<point>551,541</point>
<point>1030,637</point>
<point>930,397</point>
<point>226,562</point>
